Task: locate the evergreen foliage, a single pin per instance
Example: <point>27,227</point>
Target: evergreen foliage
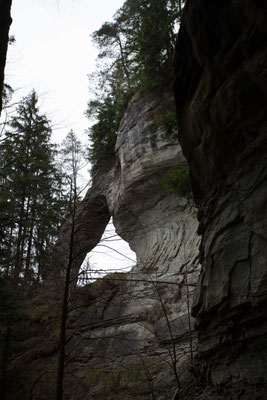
<point>135,54</point>
<point>72,160</point>
<point>168,124</point>
<point>103,133</point>
<point>30,199</point>
<point>177,182</point>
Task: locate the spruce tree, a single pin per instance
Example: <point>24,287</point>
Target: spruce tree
<point>30,185</point>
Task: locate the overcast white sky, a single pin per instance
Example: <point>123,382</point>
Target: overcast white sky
<point>53,54</point>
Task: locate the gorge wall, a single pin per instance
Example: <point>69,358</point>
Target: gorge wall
<point>142,324</point>
<point>130,334</point>
<point>221,100</point>
<point>160,228</point>
<point>127,332</point>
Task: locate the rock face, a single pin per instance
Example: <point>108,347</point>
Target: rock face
<point>221,99</point>
<point>143,325</point>
<point>159,228</point>
<point>136,330</point>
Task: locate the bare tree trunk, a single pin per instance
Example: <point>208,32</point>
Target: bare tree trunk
<point>188,316</point>
<point>123,63</point>
<point>17,269</point>
<point>5,22</point>
<point>4,363</point>
<point>173,355</point>
<point>148,376</point>
<point>22,236</point>
<point>29,247</point>
<point>64,312</point>
<point>9,251</point>
<point>180,6</point>
<point>28,256</point>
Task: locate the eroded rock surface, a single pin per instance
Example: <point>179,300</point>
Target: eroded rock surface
<point>161,229</point>
<point>137,326</point>
<point>221,99</point>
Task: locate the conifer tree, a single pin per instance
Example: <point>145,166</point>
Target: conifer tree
<point>30,197</point>
<point>73,161</point>
<point>135,53</point>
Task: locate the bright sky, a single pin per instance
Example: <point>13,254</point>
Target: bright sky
<point>53,54</point>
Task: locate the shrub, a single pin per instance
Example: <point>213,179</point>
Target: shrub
<point>168,124</point>
<point>177,182</point>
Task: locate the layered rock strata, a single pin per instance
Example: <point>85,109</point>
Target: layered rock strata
<point>221,99</point>
<point>139,321</point>
<point>160,229</point>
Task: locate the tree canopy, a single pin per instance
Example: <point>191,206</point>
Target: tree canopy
<point>31,200</point>
<point>135,54</point>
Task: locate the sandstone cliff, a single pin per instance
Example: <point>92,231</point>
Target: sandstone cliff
<point>221,95</point>
<point>133,332</point>
<point>127,331</point>
<point>161,230</point>
<point>130,335</point>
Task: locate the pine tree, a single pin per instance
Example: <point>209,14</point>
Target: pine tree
<point>135,53</point>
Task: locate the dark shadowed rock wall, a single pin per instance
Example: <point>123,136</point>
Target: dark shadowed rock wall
<point>221,99</point>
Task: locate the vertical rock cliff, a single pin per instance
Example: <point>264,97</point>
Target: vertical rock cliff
<point>143,325</point>
<point>131,334</point>
<point>221,99</point>
<point>160,228</point>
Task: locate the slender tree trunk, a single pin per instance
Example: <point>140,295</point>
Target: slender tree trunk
<point>29,253</point>
<point>188,301</point>
<point>18,249</point>
<point>123,63</point>
<point>19,238</point>
<point>39,252</point>
<point>148,376</point>
<point>24,220</point>
<point>29,247</point>
<point>188,315</point>
<point>9,251</point>
<point>64,311</point>
<point>5,22</point>
<point>173,355</point>
<point>180,6</point>
<point>62,341</point>
<point>4,363</point>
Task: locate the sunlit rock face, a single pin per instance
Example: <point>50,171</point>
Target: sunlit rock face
<point>221,99</point>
